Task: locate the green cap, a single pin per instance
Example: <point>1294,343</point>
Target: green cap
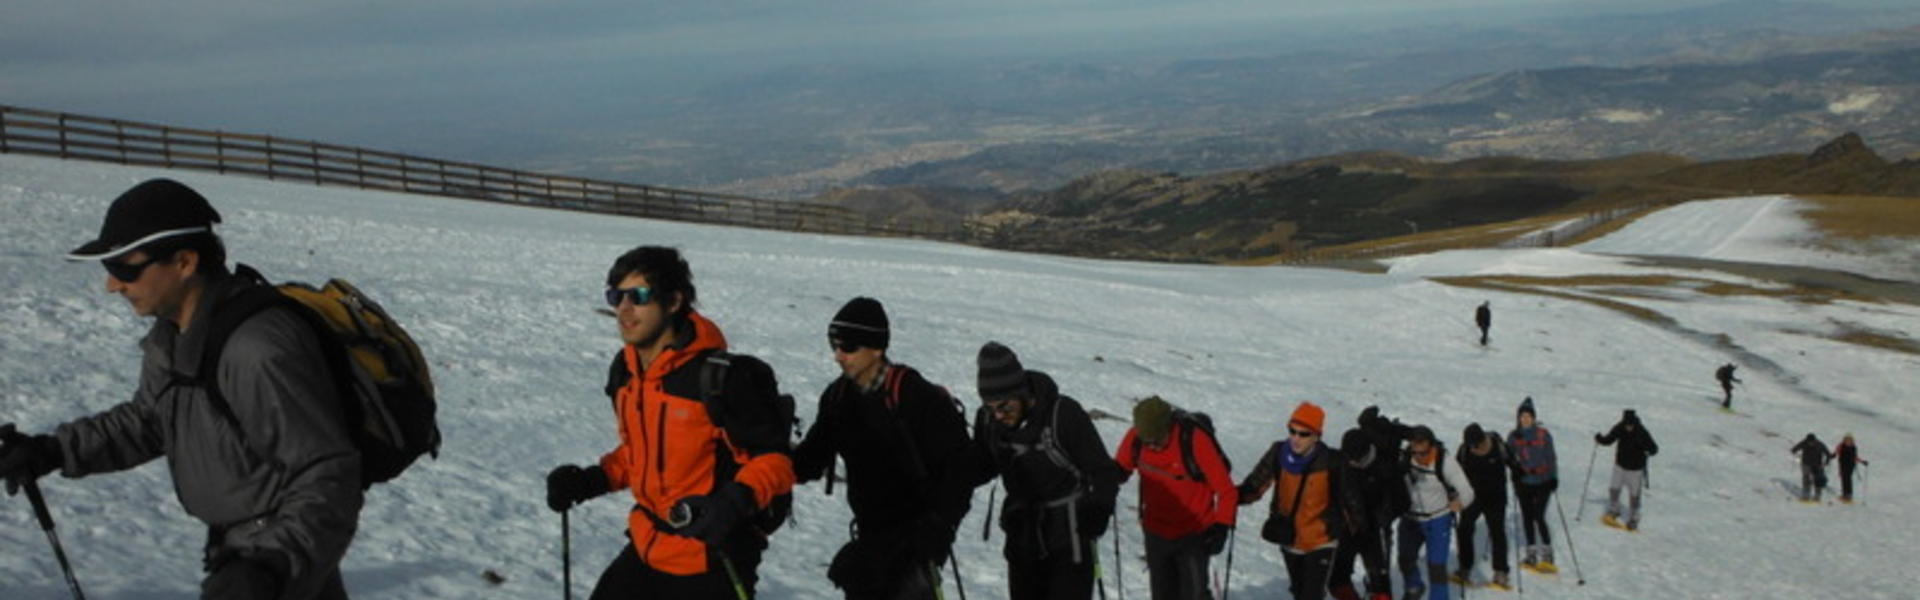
<point>1152,418</point>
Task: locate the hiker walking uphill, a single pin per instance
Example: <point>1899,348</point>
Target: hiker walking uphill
<point>1534,482</point>
<point>1848,454</point>
<point>1310,499</point>
<point>1629,467</point>
<point>1813,467</point>
<point>1486,460</point>
<point>1381,497</point>
<point>1439,491</point>
<point>704,440</point>
<point>1187,497</point>
<point>1725,375</point>
<point>252,429</point>
<point>1060,483</point>
<point>1483,317</point>
<point>902,439</point>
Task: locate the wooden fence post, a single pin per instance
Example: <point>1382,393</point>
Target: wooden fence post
<point>120,139</point>
<point>314,147</point>
<point>270,158</point>
<point>63,135</point>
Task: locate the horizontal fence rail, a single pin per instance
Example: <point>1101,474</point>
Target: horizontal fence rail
<point>81,137</point>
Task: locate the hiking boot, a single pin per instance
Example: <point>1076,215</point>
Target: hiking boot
<point>1532,557</point>
<point>1500,579</point>
<point>1546,556</point>
<point>1633,524</point>
<point>1460,576</point>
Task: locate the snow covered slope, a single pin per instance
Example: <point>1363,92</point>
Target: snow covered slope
<point>501,298</point>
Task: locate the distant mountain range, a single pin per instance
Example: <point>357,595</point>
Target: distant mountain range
<point>1342,199</point>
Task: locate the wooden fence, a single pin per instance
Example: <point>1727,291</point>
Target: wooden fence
<point>69,136</point>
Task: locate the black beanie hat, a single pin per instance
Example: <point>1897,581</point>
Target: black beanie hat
<point>1473,436</point>
<point>1526,406</point>
<point>1420,433</point>
<point>862,322</point>
<point>1000,372</point>
<point>154,210</point>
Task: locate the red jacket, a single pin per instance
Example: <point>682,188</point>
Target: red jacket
<point>1172,504</point>
<point>669,449</point>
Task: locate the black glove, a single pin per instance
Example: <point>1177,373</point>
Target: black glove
<point>1215,538</point>
<point>241,576</point>
<point>568,485</point>
<point>713,516</point>
<point>932,538</point>
<point>1597,440</point>
<point>1094,518</point>
<point>25,458</point>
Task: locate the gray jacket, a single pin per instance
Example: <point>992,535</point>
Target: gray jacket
<point>289,486</point>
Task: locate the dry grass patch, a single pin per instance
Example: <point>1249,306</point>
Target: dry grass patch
<point>1861,335</point>
<point>1863,217</point>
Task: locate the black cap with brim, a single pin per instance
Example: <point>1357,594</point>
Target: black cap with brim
<point>152,211</point>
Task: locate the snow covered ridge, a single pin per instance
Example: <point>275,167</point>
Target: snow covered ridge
<point>500,298</point>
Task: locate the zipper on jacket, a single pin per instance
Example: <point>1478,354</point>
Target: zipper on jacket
<point>660,445</point>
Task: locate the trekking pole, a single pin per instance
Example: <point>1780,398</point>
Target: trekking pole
<point>734,576</point>
<point>1557,506</point>
<point>1099,578</point>
<point>1120,568</point>
<point>1514,545</point>
<point>1588,486</point>
<point>933,577</point>
<point>46,524</point>
<point>953,560</point>
<point>1227,587</point>
<point>566,554</point>
<point>986,525</point>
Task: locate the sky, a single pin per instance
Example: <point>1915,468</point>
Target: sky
<point>293,64</point>
<point>500,298</point>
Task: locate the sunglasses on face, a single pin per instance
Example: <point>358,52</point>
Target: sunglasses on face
<point>843,347</point>
<point>1301,433</point>
<point>637,295</point>
<point>128,272</point>
<point>1002,405</point>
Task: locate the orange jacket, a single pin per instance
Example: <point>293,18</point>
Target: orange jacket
<point>669,450</point>
<point>1172,504</point>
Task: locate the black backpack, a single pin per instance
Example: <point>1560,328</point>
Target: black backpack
<point>714,367</point>
<point>385,387</point>
<point>1439,470</point>
<point>1192,420</point>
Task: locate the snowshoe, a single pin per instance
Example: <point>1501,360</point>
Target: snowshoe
<point>1543,568</point>
<point>1612,521</point>
<point>1501,581</point>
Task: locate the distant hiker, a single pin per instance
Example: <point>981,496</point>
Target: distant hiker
<point>1440,491</point>
<point>902,438</point>
<point>1059,480</point>
<point>1813,467</point>
<point>1629,467</point>
<point>256,442</point>
<point>1848,454</point>
<point>1483,317</point>
<point>1725,375</point>
<point>1311,499</point>
<point>1534,483</point>
<point>1187,496</point>
<point>705,467</point>
<point>1486,460</point>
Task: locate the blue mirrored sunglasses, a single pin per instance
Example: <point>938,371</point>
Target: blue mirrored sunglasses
<point>637,295</point>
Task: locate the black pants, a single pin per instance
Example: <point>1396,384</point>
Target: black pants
<point>1049,578</point>
<point>1492,509</point>
<point>1307,573</point>
<point>629,577</point>
<point>1533,511</point>
<point>220,585</point>
<point>1177,569</point>
<point>1371,550</point>
<point>1846,481</point>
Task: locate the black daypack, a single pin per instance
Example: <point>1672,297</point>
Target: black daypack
<point>386,390</point>
<point>714,368</point>
<point>1192,420</point>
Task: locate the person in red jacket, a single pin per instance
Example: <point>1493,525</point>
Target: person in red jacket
<point>697,484</point>
<point>1187,515</point>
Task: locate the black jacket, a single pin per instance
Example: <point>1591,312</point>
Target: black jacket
<point>1813,452</point>
<point>1036,515</point>
<point>1488,474</point>
<point>1636,444</point>
<point>897,458</point>
<point>1378,485</point>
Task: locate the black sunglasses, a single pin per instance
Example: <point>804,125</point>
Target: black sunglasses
<point>128,272</point>
<point>638,295</point>
<point>843,347</point>
<point>1301,433</point>
<point>1003,404</point>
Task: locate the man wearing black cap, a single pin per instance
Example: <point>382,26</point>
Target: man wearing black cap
<point>1629,467</point>
<point>902,438</point>
<point>271,471</point>
<point>1060,482</point>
